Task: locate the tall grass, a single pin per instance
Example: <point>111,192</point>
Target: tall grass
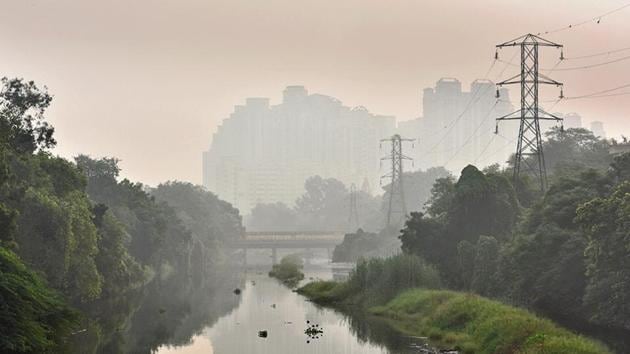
<point>405,287</point>
<point>376,281</point>
<point>477,325</point>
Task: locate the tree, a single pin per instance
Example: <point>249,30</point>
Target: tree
<point>620,167</point>
<point>574,149</point>
<point>477,204</point>
<point>418,186</point>
<point>119,270</point>
<point>22,125</point>
<point>423,236</point>
<point>33,318</point>
<point>485,266</point>
<point>482,205</point>
<point>273,216</point>
<point>605,220</point>
<point>544,266</point>
<point>325,202</point>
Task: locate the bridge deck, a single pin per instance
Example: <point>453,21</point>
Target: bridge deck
<point>298,239</point>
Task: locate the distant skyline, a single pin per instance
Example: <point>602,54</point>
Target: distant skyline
<point>148,81</point>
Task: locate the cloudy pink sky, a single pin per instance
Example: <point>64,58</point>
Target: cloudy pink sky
<point>148,81</point>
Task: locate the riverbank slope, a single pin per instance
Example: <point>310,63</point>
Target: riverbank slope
<point>467,322</point>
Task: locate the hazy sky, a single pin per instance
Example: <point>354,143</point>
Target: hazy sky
<point>148,81</point>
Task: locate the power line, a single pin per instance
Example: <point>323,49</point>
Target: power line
<point>593,65</point>
<point>607,53</point>
<point>609,95</point>
<point>485,148</point>
<point>598,93</point>
<point>472,135</point>
<point>468,105</point>
<point>595,19</point>
<point>574,67</point>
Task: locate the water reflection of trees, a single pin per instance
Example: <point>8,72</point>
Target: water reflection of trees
<point>166,312</point>
<point>373,330</point>
<point>376,331</point>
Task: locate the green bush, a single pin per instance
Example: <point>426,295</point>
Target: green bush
<point>378,280</point>
<point>375,281</point>
<point>33,318</point>
<point>475,324</point>
<point>289,271</point>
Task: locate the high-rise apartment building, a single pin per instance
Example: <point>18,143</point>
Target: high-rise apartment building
<point>572,120</point>
<point>598,129</point>
<point>264,153</point>
<point>457,127</point>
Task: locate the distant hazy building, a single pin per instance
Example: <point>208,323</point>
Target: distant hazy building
<point>264,154</point>
<point>572,120</point>
<point>598,129</point>
<point>457,127</point>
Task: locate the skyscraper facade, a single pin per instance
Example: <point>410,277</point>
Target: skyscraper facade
<point>597,128</point>
<point>457,127</point>
<point>264,153</point>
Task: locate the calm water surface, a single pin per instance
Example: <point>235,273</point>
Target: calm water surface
<point>267,305</point>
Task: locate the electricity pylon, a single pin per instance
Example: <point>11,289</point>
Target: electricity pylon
<point>397,208</point>
<point>529,150</point>
<point>354,210</point>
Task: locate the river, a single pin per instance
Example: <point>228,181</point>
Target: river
<point>267,305</point>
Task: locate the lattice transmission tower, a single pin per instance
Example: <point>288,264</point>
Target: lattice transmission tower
<point>529,156</point>
<point>397,208</point>
<point>353,220</point>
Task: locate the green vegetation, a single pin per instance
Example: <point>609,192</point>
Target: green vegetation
<point>375,281</point>
<point>543,252</point>
<point>361,244</point>
<point>289,271</point>
<point>473,324</point>
<point>34,318</point>
<point>562,254</point>
<point>75,235</point>
<point>325,202</point>
<point>399,289</point>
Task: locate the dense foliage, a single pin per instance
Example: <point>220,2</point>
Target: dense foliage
<point>564,253</point>
<point>288,271</point>
<point>375,281</point>
<point>34,318</point>
<point>326,202</point>
<point>96,242</point>
<point>473,324</point>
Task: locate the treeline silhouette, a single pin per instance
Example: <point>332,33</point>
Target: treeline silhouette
<point>563,253</point>
<point>90,262</point>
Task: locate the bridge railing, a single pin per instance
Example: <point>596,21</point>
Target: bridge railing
<point>292,236</point>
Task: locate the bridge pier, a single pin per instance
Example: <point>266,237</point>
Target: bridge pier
<point>308,254</point>
<point>275,240</point>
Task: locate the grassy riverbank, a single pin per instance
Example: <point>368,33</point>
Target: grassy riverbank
<point>403,290</point>
<point>464,321</point>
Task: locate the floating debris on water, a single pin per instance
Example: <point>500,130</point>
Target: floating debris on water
<point>313,331</point>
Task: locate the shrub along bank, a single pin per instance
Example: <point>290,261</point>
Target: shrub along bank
<point>289,271</point>
<point>469,323</point>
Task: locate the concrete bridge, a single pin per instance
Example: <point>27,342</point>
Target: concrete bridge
<point>274,240</point>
